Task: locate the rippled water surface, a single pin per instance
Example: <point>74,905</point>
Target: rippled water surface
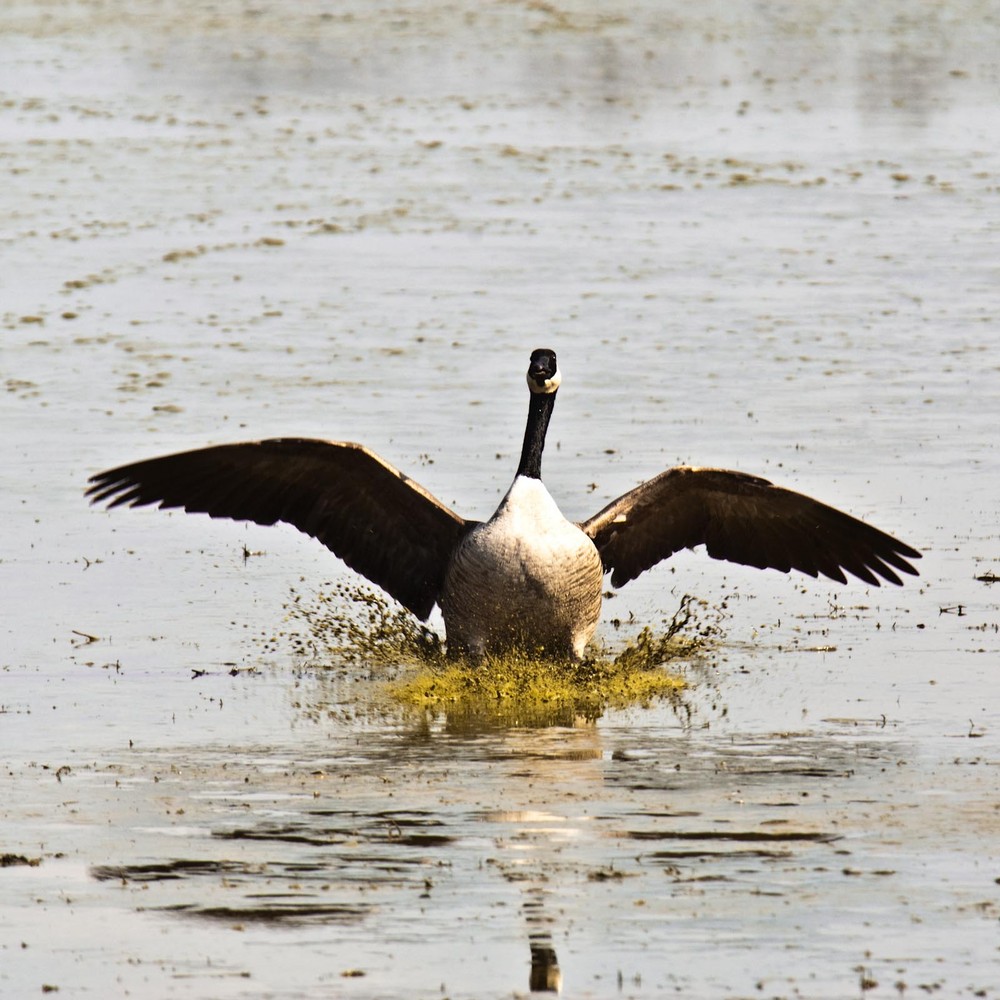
<point>760,236</point>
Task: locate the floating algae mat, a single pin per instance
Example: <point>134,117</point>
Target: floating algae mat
<point>517,689</point>
<point>353,625</point>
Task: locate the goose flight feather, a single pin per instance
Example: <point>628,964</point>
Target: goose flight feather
<point>380,522</point>
<point>742,519</point>
<point>527,577</point>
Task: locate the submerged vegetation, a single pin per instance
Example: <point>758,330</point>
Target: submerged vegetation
<point>352,626</point>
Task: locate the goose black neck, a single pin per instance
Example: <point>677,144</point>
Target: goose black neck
<point>539,410</point>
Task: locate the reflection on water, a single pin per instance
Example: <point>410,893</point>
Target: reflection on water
<point>545,975</point>
<point>745,815</point>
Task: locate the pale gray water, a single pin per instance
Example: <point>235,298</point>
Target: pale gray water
<point>759,236</point>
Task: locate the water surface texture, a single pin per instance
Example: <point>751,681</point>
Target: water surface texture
<point>761,236</point>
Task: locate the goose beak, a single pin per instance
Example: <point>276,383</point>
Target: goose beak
<point>539,373</point>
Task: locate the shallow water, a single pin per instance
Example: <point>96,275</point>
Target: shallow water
<point>759,237</point>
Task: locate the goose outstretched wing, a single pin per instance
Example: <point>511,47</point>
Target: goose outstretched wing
<point>743,519</point>
<point>380,522</point>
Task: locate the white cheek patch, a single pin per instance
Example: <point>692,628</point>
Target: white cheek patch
<point>549,385</point>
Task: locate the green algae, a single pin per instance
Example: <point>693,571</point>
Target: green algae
<point>517,689</point>
<point>352,626</point>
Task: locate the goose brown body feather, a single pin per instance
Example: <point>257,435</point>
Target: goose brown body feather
<point>527,578</point>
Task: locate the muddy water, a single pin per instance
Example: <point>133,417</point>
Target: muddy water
<point>759,237</point>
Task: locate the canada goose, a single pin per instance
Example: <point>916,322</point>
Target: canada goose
<point>527,577</point>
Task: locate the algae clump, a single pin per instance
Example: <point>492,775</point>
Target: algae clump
<point>354,625</point>
<point>520,689</point>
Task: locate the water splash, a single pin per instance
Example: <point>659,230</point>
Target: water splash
<point>350,626</point>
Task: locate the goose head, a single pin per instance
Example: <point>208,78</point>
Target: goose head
<point>543,372</point>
